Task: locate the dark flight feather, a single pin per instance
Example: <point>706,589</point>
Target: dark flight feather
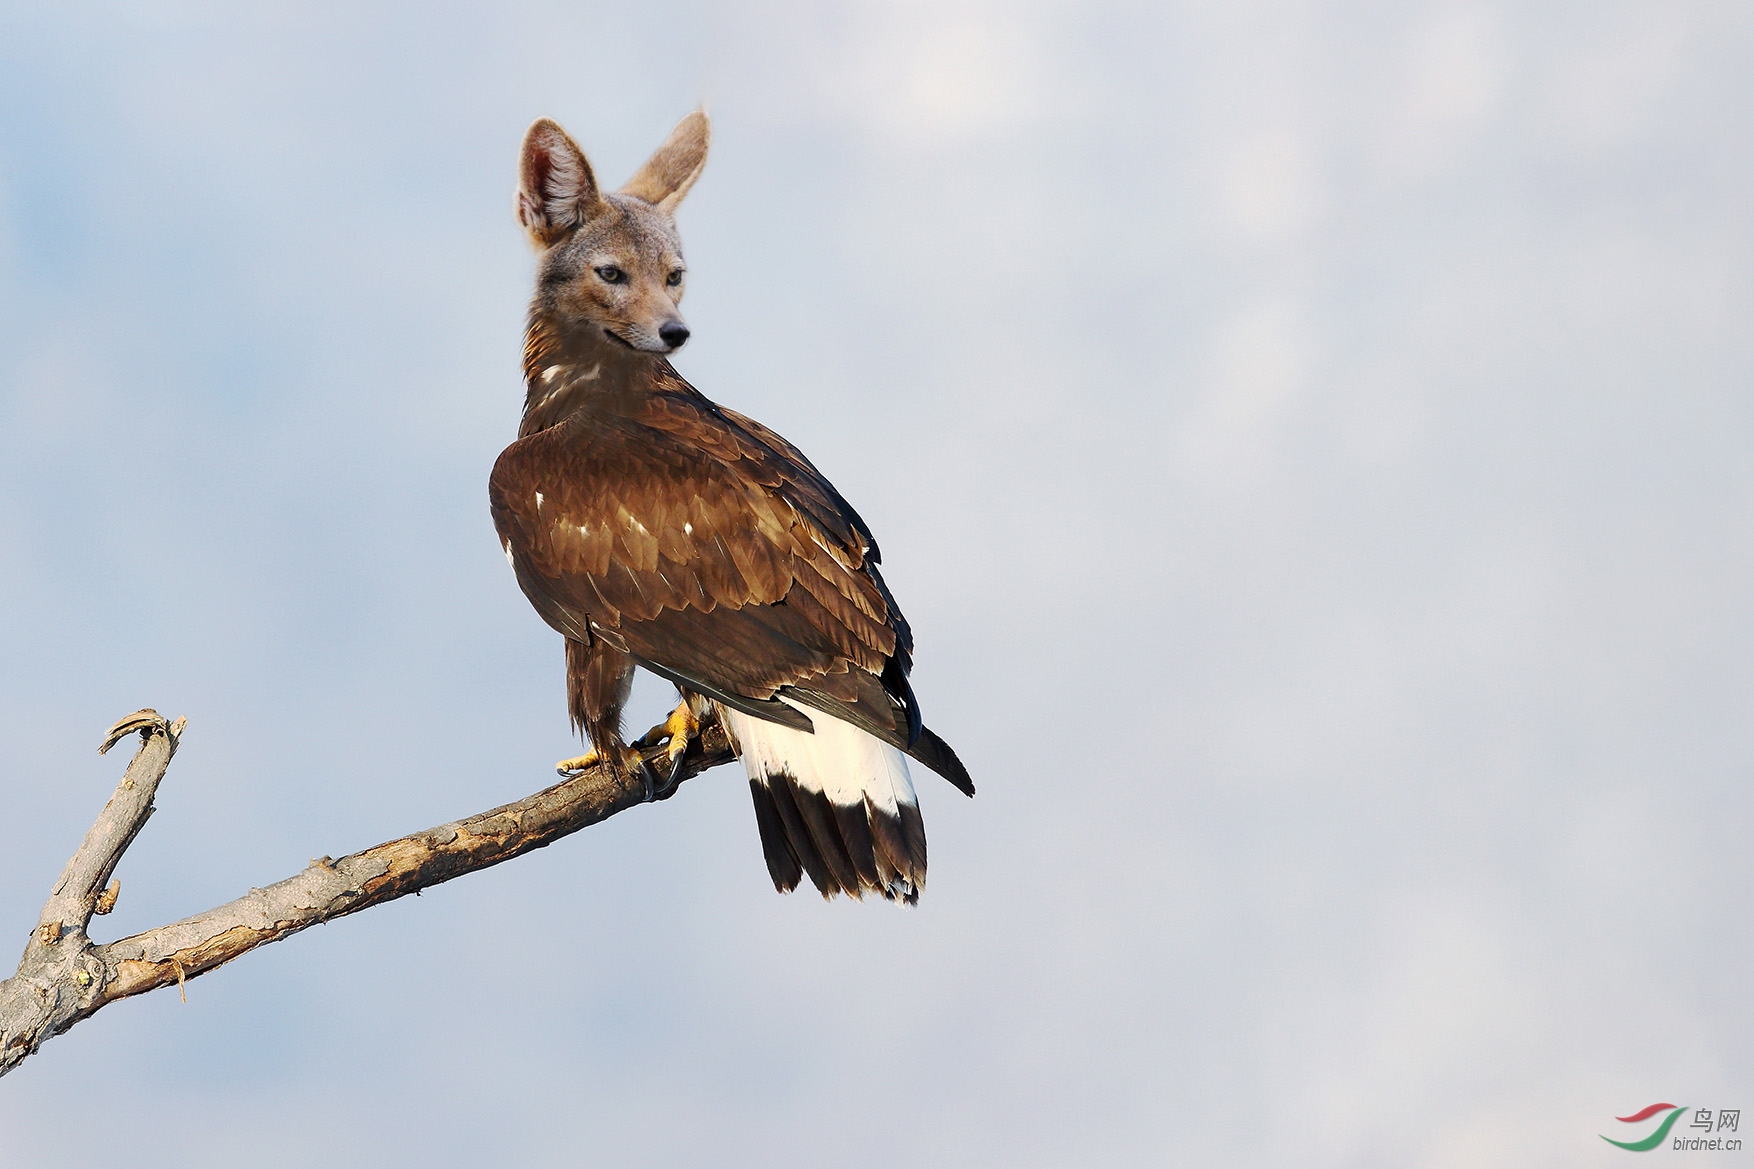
<point>782,859</point>
<point>802,846</point>
<point>851,849</point>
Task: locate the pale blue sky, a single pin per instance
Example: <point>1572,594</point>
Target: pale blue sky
<point>1311,443</point>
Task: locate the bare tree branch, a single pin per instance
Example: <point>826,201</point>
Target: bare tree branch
<point>64,977</point>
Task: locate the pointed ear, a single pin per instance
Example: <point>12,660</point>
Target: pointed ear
<point>668,174</point>
<point>556,189</point>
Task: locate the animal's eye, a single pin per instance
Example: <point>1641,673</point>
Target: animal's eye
<point>612,275</point>
<point>674,278</point>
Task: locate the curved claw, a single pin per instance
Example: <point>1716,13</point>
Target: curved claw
<point>631,762</point>
<point>675,769</point>
<point>650,778</point>
<point>679,729</point>
<point>578,765</point>
<point>675,732</point>
<point>660,789</point>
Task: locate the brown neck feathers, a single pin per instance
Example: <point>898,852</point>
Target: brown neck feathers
<point>580,369</point>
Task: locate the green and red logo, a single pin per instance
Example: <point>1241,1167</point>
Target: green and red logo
<point>1645,1113</point>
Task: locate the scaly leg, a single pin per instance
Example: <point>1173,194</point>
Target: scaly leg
<point>679,729</point>
<point>578,764</point>
<point>626,760</point>
<point>598,680</point>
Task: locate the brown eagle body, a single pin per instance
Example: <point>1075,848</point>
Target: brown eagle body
<point>652,527</point>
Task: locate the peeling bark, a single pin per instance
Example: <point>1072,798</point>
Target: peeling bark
<point>64,977</point>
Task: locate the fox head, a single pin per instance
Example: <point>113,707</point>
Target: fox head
<point>611,262</point>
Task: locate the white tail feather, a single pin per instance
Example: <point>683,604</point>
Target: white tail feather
<point>841,761</point>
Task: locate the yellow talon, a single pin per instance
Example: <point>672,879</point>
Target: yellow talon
<point>675,732</point>
<point>572,767</point>
<point>681,726</point>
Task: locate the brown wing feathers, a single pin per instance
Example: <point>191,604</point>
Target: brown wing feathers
<point>717,555</point>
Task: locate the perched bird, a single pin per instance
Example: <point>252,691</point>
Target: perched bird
<point>652,527</point>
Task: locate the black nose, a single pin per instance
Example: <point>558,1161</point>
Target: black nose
<point>673,334</point>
